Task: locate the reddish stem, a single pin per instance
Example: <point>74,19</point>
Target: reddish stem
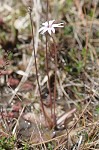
<point>54,117</point>
<point>47,59</point>
<point>48,73</point>
<point>32,31</point>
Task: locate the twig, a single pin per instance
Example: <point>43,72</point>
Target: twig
<point>75,123</point>
<point>87,36</point>
<point>79,7</point>
<point>40,134</point>
<point>72,133</point>
<point>14,130</point>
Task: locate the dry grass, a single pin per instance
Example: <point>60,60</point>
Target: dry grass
<point>77,75</point>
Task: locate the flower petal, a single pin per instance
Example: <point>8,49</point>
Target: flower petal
<point>42,28</point>
<point>51,22</point>
<point>49,31</point>
<point>57,25</point>
<point>45,24</point>
<point>53,30</point>
<point>45,29</point>
<point>49,27</point>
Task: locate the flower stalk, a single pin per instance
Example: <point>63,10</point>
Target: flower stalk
<point>49,28</point>
<point>32,32</point>
<point>55,82</point>
<point>47,69</point>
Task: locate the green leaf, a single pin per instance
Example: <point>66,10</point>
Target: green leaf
<point>97,109</point>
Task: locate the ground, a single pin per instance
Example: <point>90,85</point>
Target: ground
<point>49,84</point>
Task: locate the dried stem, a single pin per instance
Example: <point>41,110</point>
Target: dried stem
<point>90,27</point>
<point>88,34</point>
<point>32,31</point>
<point>75,123</point>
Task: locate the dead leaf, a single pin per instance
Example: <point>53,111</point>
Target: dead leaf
<point>65,116</point>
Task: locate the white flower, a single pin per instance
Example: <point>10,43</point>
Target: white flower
<point>49,26</point>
